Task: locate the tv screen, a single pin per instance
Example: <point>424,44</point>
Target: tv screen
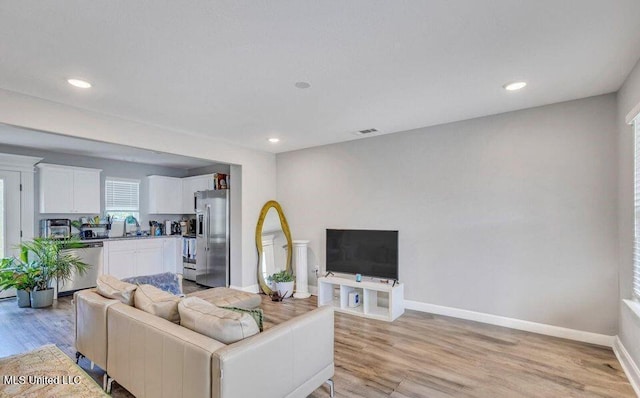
<point>366,252</point>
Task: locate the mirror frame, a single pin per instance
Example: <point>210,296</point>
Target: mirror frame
<point>287,233</point>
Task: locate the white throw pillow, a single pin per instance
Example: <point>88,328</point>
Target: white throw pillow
<point>157,302</point>
<point>220,324</point>
<point>113,288</point>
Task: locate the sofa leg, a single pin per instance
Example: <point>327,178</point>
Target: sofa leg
<point>109,383</point>
<point>106,383</point>
<point>331,389</point>
<point>78,356</point>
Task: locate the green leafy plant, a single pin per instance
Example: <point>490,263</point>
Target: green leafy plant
<point>49,262</point>
<point>17,274</point>
<point>281,276</point>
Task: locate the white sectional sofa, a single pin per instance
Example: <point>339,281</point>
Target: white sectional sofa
<point>152,357</point>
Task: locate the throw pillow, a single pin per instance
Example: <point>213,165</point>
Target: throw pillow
<point>166,281</point>
<point>255,313</point>
<point>218,323</point>
<point>157,302</point>
<point>113,288</point>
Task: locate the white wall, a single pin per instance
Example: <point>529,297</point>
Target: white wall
<point>629,324</point>
<point>258,168</point>
<point>512,215</point>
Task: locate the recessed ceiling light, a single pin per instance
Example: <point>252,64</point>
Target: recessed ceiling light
<point>302,85</point>
<point>79,83</point>
<point>514,86</point>
<point>274,140</point>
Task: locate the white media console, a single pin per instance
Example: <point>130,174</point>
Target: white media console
<point>378,300</point>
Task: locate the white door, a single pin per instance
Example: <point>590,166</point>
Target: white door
<point>9,217</point>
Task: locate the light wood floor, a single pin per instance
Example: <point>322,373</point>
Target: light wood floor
<point>418,355</point>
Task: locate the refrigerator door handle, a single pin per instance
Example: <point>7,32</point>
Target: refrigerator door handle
<point>208,226</point>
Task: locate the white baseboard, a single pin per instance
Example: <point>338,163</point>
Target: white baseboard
<point>250,289</point>
<point>540,328</point>
<point>628,365</point>
<point>313,290</point>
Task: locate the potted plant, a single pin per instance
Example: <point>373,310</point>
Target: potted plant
<point>19,275</point>
<point>284,283</point>
<point>53,264</point>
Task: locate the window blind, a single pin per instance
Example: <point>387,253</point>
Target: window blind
<point>122,195</point>
<point>636,235</point>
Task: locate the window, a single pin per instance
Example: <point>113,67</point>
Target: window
<point>636,235</point>
<point>122,198</point>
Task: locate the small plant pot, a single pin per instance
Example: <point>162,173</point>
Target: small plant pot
<point>24,299</point>
<point>41,298</point>
<point>285,287</point>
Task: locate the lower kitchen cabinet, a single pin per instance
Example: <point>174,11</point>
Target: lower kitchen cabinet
<point>121,263</point>
<point>172,255</point>
<point>135,257</point>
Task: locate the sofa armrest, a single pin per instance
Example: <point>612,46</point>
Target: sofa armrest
<point>91,325</point>
<point>289,360</point>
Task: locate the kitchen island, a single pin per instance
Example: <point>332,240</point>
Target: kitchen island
<point>129,256</point>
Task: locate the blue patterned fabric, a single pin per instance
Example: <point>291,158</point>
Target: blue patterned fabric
<point>165,281</point>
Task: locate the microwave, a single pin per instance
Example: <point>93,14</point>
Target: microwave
<point>55,228</point>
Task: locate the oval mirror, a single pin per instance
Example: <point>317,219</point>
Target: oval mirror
<point>273,240</point>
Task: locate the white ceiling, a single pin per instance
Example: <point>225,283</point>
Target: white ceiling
<point>227,69</point>
<point>11,135</point>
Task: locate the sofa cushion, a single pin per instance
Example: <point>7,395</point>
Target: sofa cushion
<point>224,296</point>
<point>255,313</point>
<point>157,302</point>
<point>166,281</point>
<point>220,324</point>
<point>113,288</point>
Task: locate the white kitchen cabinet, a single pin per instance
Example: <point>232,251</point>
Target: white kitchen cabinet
<point>191,185</point>
<point>165,195</point>
<point>66,190</point>
<point>149,254</point>
<point>121,263</point>
<point>172,255</point>
<point>86,191</point>
<point>120,258</point>
<point>137,256</point>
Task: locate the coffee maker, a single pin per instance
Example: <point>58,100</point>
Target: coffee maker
<point>175,228</point>
<point>188,227</point>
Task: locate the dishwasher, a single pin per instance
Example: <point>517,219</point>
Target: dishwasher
<point>91,254</point>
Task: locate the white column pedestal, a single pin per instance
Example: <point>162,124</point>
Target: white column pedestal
<point>302,284</point>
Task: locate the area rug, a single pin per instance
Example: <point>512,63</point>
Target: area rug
<point>45,372</point>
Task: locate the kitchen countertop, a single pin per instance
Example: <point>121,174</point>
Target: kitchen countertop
<point>130,238</point>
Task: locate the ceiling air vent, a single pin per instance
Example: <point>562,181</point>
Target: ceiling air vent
<point>366,132</point>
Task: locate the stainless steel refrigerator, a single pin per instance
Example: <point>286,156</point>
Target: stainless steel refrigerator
<point>212,238</point>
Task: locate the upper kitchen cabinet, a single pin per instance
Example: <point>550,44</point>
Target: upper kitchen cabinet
<point>165,195</point>
<point>191,185</point>
<point>66,189</point>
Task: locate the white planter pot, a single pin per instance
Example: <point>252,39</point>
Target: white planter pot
<point>285,287</point>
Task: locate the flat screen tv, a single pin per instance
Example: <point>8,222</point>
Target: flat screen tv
<point>366,252</point>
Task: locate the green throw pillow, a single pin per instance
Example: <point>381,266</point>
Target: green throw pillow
<point>256,314</point>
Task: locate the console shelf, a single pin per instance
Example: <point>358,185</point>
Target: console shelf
<point>379,300</point>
